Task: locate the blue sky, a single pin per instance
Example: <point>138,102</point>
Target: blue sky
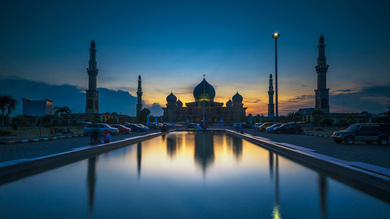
<point>171,44</point>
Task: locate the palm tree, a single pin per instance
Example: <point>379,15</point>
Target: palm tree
<point>7,103</point>
<point>61,111</point>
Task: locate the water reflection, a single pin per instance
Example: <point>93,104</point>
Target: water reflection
<point>323,193</point>
<point>91,182</point>
<point>172,145</point>
<point>237,148</point>
<point>250,188</point>
<point>139,159</point>
<point>204,150</point>
<point>276,214</point>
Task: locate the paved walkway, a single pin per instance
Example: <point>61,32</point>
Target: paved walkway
<point>16,151</point>
<point>374,154</point>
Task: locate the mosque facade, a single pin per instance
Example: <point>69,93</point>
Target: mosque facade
<point>204,95</point>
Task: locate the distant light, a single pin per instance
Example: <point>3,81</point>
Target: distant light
<point>276,35</point>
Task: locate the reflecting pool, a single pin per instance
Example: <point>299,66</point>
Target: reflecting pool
<point>186,175</point>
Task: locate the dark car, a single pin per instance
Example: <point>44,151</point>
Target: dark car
<point>99,127</point>
<point>122,129</point>
<point>288,128</point>
<point>136,127</point>
<point>368,132</point>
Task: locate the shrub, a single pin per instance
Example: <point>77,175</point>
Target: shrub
<point>14,126</point>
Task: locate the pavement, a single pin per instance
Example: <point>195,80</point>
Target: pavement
<point>378,155</point>
<point>34,148</point>
<point>374,154</point>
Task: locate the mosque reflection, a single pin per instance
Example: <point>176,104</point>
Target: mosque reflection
<point>204,154</point>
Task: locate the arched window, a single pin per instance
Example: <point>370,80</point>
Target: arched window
<point>324,103</point>
<point>89,104</point>
<point>317,103</point>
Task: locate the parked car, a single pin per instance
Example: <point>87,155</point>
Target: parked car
<point>288,128</point>
<point>143,127</point>
<point>100,127</point>
<point>135,127</point>
<point>272,127</point>
<point>152,125</point>
<point>193,126</point>
<point>368,132</point>
<point>265,125</point>
<point>122,129</point>
<point>257,125</point>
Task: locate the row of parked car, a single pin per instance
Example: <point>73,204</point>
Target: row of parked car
<point>124,129</point>
<point>366,132</point>
<point>273,127</point>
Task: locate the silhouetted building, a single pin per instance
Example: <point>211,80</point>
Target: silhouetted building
<point>204,95</point>
<point>139,95</point>
<point>271,99</point>
<point>37,107</point>
<point>92,94</point>
<point>322,93</point>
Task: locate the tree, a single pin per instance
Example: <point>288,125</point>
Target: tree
<point>141,117</point>
<point>59,111</point>
<point>317,115</point>
<point>7,104</point>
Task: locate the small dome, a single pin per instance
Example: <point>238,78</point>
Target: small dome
<point>204,91</point>
<point>171,98</point>
<point>229,103</point>
<point>237,98</point>
<point>179,103</point>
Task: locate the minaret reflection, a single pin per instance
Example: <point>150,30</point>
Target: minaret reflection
<point>204,150</point>
<point>91,182</point>
<point>271,164</point>
<point>323,190</point>
<point>237,147</point>
<point>276,214</point>
<point>139,159</point>
<point>171,145</point>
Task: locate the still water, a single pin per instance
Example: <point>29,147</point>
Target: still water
<point>186,175</point>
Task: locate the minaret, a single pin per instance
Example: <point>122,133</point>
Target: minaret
<point>322,93</point>
<point>92,105</point>
<point>271,99</point>
<point>139,95</point>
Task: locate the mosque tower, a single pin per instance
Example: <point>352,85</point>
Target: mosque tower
<point>139,95</point>
<point>92,105</point>
<point>271,99</point>
<point>322,93</point>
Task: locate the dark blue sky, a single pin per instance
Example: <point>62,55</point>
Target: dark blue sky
<point>173,43</point>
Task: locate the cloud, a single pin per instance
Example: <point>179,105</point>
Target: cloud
<point>252,100</point>
<point>155,109</point>
<point>372,99</point>
<point>300,98</point>
<point>67,95</point>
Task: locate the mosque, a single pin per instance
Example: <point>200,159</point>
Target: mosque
<point>204,95</point>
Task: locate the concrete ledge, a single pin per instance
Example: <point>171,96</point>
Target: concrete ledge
<point>16,169</point>
<point>365,177</point>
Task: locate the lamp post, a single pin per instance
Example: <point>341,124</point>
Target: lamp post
<point>276,36</point>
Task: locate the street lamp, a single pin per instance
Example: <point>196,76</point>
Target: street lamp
<point>276,36</point>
